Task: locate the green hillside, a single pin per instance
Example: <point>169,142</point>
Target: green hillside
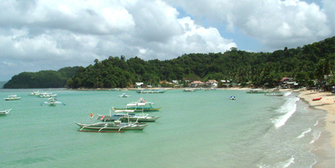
<point>42,79</point>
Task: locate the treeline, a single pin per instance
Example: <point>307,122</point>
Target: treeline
<point>42,79</point>
<point>305,64</point>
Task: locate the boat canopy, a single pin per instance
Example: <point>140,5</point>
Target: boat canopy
<point>131,104</point>
<point>124,111</point>
<point>141,104</point>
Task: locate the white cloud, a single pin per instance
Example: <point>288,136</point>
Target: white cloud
<point>275,23</point>
<point>39,35</point>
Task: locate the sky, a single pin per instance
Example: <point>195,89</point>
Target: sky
<point>40,35</point>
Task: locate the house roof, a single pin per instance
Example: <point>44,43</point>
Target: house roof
<point>285,78</point>
<point>211,81</point>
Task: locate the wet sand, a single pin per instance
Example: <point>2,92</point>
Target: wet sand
<point>326,143</point>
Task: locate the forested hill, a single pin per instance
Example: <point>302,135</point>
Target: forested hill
<point>42,79</point>
<point>304,64</point>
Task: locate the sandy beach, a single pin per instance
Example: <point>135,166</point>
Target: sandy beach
<point>326,103</point>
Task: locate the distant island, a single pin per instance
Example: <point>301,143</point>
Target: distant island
<point>42,79</point>
<point>310,65</point>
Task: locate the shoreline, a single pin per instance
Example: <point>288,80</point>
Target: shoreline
<point>327,103</point>
<point>325,145</point>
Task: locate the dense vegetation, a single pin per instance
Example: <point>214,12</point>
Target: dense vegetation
<point>42,79</point>
<point>304,64</point>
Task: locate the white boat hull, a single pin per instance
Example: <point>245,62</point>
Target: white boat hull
<point>112,126</point>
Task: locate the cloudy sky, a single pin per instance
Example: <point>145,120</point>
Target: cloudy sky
<point>51,34</point>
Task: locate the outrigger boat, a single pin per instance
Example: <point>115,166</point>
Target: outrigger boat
<point>5,112</point>
<point>35,93</point>
<point>257,91</point>
<point>150,91</point>
<point>124,95</point>
<point>125,115</point>
<point>12,97</point>
<point>140,106</point>
<point>47,95</point>
<point>116,125</point>
<point>188,90</point>
<point>275,92</point>
<point>52,102</point>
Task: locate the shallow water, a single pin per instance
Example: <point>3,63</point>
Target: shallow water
<point>197,129</point>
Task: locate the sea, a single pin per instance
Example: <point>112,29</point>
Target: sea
<point>202,129</point>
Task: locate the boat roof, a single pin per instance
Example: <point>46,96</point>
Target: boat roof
<point>124,111</point>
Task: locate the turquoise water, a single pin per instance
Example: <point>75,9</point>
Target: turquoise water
<point>197,129</point>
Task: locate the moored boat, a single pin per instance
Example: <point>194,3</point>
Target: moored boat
<point>116,125</point>
<point>232,98</point>
<point>188,90</point>
<point>35,93</point>
<point>47,95</point>
<point>150,91</point>
<point>52,102</point>
<point>274,94</point>
<point>12,97</point>
<point>127,115</point>
<point>5,112</point>
<point>257,91</point>
<point>124,95</point>
<point>140,106</point>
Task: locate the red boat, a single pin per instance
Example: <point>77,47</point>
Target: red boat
<point>318,98</point>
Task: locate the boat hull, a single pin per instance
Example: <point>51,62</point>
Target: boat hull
<point>274,94</point>
<point>5,112</point>
<point>150,91</point>
<point>112,126</point>
<point>11,99</point>
<point>257,91</point>
<point>125,119</point>
<point>145,119</point>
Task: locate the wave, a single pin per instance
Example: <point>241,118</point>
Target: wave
<point>287,93</point>
<point>282,164</point>
<point>316,136</point>
<point>287,162</point>
<point>288,108</point>
<point>305,132</point>
<point>317,122</point>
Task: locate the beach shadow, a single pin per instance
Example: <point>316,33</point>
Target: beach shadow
<point>310,93</point>
<point>323,104</point>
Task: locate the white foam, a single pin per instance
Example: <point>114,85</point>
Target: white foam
<point>316,136</point>
<point>287,93</point>
<point>305,132</point>
<point>288,162</point>
<point>282,164</point>
<point>317,122</point>
<point>288,108</point>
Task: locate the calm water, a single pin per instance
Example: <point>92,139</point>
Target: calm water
<point>197,129</point>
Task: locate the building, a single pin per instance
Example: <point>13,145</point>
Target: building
<point>197,84</point>
<point>211,83</point>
